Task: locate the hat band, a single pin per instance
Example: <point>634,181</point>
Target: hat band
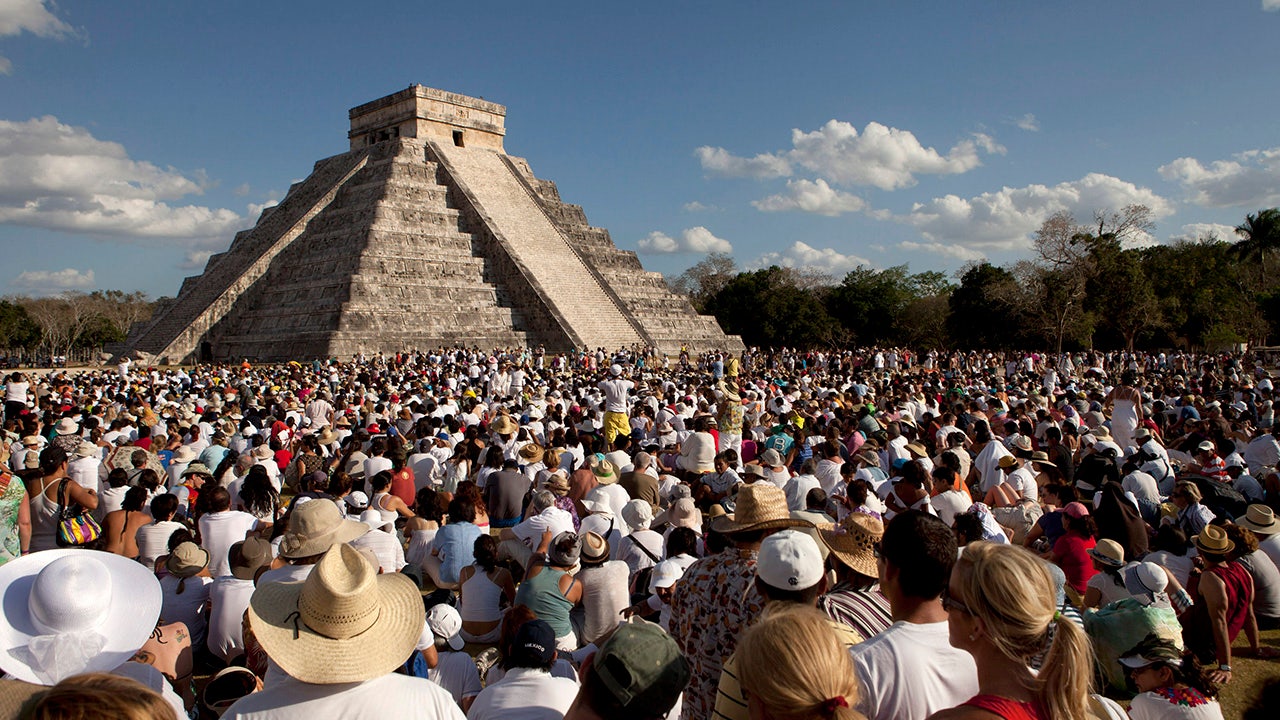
<point>336,629</point>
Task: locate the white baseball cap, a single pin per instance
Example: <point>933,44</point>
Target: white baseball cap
<point>445,622</point>
<point>789,560</point>
<point>664,575</point>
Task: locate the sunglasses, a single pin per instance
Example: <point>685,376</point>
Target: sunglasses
<point>950,603</point>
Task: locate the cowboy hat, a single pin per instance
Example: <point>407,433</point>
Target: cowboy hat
<point>852,540</point>
<point>760,506</point>
<point>1041,457</point>
<point>345,623</point>
<point>315,527</point>
<point>531,453</point>
<point>917,449</point>
<point>327,437</point>
<point>90,610</point>
<point>1261,519</point>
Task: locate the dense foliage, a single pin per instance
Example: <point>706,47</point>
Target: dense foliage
<point>1101,285</point>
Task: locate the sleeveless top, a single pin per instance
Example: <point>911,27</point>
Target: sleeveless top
<point>44,519</point>
<point>1006,708</point>
<point>481,598</point>
<point>541,594</point>
<point>388,516</point>
<point>1236,579</point>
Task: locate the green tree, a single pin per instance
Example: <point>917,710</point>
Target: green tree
<point>983,309</point>
<point>17,330</point>
<point>767,308</point>
<point>1259,238</point>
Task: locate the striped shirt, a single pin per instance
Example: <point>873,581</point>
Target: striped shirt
<point>866,611</point>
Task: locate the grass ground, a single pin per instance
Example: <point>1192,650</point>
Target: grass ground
<point>1248,677</point>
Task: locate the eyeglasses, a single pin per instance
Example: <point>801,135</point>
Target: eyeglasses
<point>950,603</point>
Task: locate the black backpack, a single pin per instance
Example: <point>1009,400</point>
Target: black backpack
<point>1224,500</point>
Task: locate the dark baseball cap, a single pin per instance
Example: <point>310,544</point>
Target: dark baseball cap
<point>643,668</point>
<point>534,645</point>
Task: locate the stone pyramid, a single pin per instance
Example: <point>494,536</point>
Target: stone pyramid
<point>424,233</point>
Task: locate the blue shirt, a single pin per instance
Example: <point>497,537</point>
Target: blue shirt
<point>456,543</point>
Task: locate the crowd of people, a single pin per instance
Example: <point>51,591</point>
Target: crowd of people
<point>783,534</point>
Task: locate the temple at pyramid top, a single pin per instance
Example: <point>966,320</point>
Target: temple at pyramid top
<point>427,113</point>
<point>425,233</point>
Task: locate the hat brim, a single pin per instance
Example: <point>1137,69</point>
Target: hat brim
<point>861,561</point>
<point>1108,561</point>
<point>727,525</point>
<point>609,479</point>
<point>346,532</point>
<point>1271,529</point>
<point>310,657</point>
<point>1213,551</point>
<point>132,611</point>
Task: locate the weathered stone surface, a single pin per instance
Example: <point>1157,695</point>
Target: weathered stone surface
<point>420,236</point>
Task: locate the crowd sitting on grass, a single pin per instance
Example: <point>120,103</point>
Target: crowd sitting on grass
<point>780,534</point>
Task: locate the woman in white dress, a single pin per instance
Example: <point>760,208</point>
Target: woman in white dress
<point>1126,409</point>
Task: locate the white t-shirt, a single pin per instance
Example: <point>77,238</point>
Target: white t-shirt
<point>457,674</point>
<point>85,472</point>
<point>525,694</point>
<point>385,545</point>
<point>375,465</point>
<point>186,607</point>
<point>1142,485</point>
<point>219,531</point>
<point>615,394</point>
<point>16,391</point>
<point>553,518</point>
<point>911,671</point>
<point>390,696</point>
<point>229,598</point>
<point>949,504</point>
<point>153,541</point>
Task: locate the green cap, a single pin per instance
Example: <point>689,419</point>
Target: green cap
<point>642,668</point>
<point>1153,649</point>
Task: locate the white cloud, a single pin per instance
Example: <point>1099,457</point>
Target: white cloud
<point>241,190</point>
<point>1028,122</point>
<point>60,177</point>
<point>1271,5</point>
<point>48,282</point>
<point>958,252</point>
<point>19,16</point>
<point>1192,232</point>
<point>812,196</point>
<point>721,162</point>
<point>802,255</point>
<point>693,240</point>
<point>1250,179</point>
<point>696,206</point>
<point>880,156</point>
<point>1004,220</point>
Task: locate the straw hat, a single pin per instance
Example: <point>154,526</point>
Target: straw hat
<point>852,541</point>
<point>262,452</point>
<point>595,549</point>
<point>345,623</point>
<point>91,609</point>
<point>557,483</point>
<point>1041,457</point>
<point>1213,540</point>
<point>716,511</point>
<point>1261,519</point>
<point>315,527</point>
<point>67,426</point>
<point>86,449</point>
<point>531,453</point>
<point>327,437</point>
<point>917,449</point>
<point>183,455</point>
<point>1108,552</point>
<point>602,469</point>
<point>504,425</point>
<point>187,560</point>
<point>760,506</point>
<point>682,513</point>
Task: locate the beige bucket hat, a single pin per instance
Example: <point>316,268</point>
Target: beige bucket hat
<point>315,527</point>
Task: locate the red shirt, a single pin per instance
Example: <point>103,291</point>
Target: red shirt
<point>402,486</point>
<point>1072,552</point>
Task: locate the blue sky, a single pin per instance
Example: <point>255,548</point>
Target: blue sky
<point>137,137</point>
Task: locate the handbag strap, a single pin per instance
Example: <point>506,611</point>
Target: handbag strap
<point>62,498</point>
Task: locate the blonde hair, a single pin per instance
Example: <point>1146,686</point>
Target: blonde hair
<point>101,696</point>
<point>793,663</point>
<point>1011,591</point>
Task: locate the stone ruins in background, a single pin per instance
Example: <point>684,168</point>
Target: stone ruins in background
<point>425,233</point>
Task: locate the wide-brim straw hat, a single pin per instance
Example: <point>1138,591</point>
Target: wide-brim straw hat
<point>327,437</point>
<point>531,453</point>
<point>345,623</point>
<point>75,590</point>
<point>853,540</point>
<point>760,506</point>
<point>184,454</point>
<point>917,449</point>
<point>504,425</point>
<point>315,527</point>
<point>1261,519</point>
<point>1213,540</point>
<point>1041,457</point>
